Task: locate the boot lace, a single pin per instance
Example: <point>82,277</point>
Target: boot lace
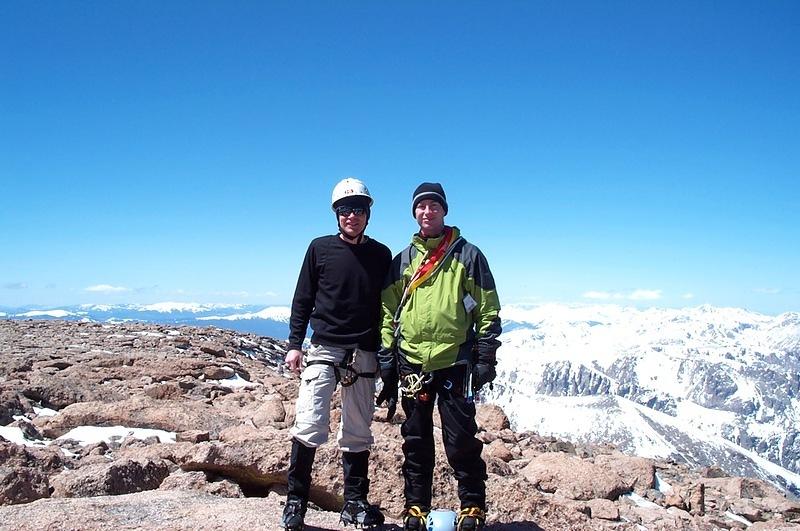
<point>471,519</point>
<point>414,519</point>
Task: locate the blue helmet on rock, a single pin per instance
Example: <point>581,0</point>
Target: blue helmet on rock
<point>441,520</point>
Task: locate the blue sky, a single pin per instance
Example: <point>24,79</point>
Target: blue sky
<point>629,152</point>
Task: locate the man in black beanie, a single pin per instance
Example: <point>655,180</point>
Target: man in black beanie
<point>439,337</point>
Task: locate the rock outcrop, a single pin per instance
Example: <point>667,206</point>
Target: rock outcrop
<point>224,405</point>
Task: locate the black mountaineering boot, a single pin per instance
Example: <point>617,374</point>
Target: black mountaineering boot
<point>294,513</point>
<point>471,519</point>
<point>298,485</point>
<point>357,510</point>
<point>414,518</point>
<point>361,514</point>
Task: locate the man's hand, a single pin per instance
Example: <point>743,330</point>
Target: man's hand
<point>294,358</point>
<point>388,394</point>
<point>482,373</point>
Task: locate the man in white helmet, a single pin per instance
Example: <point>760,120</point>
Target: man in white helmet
<point>338,293</point>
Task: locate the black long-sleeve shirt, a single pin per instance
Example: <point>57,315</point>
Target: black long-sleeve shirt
<point>338,291</point>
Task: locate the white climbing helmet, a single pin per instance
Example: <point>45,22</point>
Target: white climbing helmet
<point>349,187</point>
<point>441,520</point>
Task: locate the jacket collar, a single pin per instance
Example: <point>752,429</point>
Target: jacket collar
<point>426,245</point>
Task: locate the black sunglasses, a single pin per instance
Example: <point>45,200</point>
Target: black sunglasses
<point>346,211</point>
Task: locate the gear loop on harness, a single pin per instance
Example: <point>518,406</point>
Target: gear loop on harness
<point>414,383</point>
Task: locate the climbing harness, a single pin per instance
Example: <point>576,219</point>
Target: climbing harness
<point>345,371</point>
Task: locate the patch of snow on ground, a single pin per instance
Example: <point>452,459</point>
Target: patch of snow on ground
<point>44,411</point>
<point>93,434</point>
<point>639,501</point>
<point>147,333</point>
<point>662,486</point>
<point>15,435</point>
<point>233,382</point>
<point>738,518</point>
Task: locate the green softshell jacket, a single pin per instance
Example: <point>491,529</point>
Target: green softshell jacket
<point>452,317</point>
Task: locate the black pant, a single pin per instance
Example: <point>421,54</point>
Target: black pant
<point>463,449</point>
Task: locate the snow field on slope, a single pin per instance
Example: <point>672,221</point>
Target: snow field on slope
<point>591,419</point>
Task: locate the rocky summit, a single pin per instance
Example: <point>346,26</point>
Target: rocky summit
<point>194,435</point>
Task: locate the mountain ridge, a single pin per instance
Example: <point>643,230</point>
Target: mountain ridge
<point>720,375</point>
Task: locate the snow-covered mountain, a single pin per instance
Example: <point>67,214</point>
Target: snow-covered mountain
<point>270,321</point>
<point>705,385</point>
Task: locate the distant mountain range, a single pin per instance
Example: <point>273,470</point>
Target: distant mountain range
<point>704,386</point>
<point>272,321</point>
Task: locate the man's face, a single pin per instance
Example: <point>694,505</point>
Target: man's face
<point>352,220</point>
<point>430,216</point>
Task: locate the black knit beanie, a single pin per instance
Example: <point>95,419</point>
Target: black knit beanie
<point>432,191</point>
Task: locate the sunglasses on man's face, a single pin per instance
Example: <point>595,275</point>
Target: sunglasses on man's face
<point>346,211</point>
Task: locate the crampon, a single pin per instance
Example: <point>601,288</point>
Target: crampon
<point>361,514</point>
